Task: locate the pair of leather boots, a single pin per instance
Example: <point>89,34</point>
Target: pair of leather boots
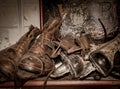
<point>29,58</point>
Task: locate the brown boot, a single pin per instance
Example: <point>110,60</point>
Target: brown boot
<point>11,55</point>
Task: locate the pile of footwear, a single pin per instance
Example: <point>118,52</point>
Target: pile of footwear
<point>40,52</point>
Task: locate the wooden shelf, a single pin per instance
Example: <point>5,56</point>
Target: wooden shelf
<point>65,83</point>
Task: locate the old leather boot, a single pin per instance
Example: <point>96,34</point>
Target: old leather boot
<point>37,62</point>
<point>11,55</point>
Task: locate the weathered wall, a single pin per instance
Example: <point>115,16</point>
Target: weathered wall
<point>84,15</point>
<point>15,17</point>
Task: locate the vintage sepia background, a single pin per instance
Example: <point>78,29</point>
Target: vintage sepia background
<point>17,15</point>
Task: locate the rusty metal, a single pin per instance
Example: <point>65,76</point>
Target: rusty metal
<point>103,57</point>
<point>68,44</point>
<point>84,42</point>
<point>80,66</point>
<point>60,9</point>
<point>70,61</point>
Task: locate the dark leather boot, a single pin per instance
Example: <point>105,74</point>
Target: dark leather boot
<point>10,56</point>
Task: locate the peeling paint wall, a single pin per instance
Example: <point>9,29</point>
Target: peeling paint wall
<point>84,17</point>
<point>15,18</point>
